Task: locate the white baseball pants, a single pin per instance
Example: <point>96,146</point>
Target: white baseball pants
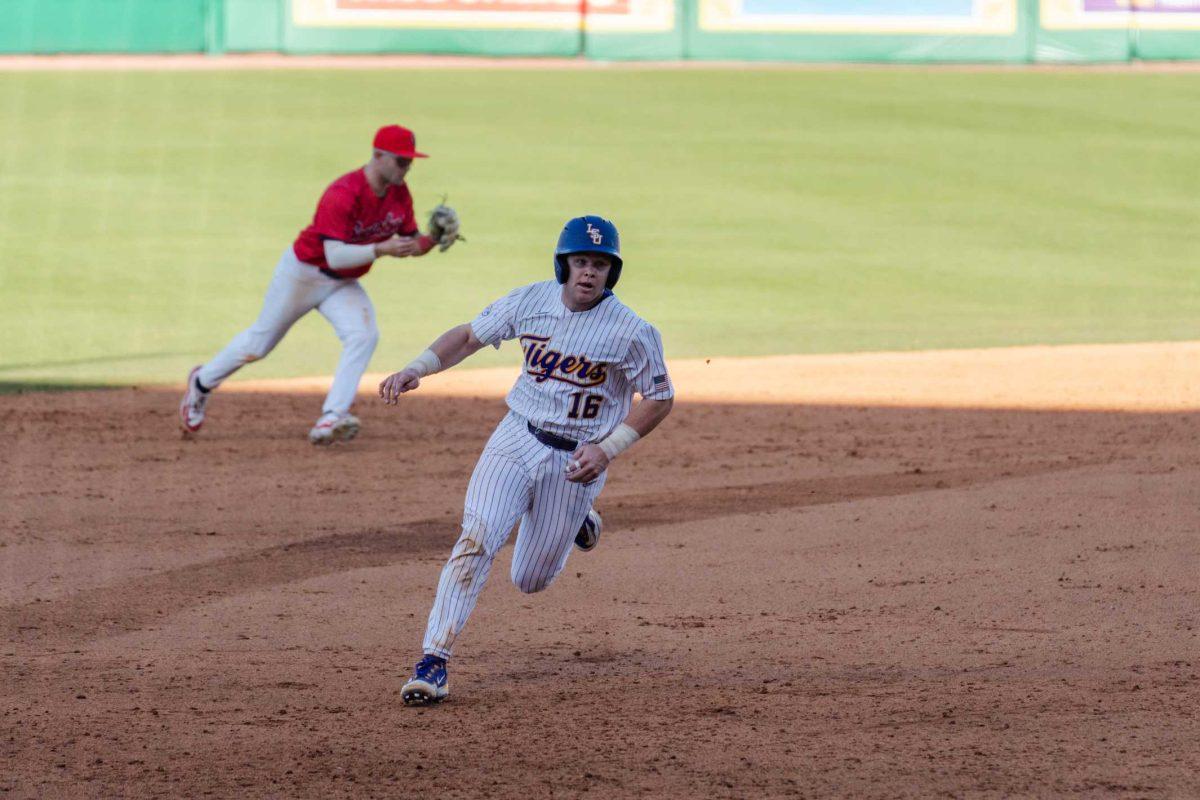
<point>295,290</point>
<point>516,478</point>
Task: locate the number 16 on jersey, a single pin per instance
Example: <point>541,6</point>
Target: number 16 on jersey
<point>584,405</point>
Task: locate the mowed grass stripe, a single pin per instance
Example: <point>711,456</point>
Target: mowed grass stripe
<point>141,214</point>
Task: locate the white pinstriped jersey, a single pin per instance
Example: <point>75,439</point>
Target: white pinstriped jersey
<point>581,368</point>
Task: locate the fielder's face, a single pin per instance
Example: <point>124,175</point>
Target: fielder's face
<point>392,168</point>
<point>586,275</point>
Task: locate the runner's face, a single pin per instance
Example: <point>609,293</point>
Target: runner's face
<point>587,274</point>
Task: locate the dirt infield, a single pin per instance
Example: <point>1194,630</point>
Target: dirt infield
<point>790,599</point>
<point>1149,376</point>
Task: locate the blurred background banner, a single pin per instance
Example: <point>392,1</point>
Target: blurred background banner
<point>483,27</point>
<point>867,16</point>
<point>617,15</point>
<point>1014,31</point>
<point>867,30</point>
<point>1114,30</point>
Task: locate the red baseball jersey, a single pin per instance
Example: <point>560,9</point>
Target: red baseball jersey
<point>350,212</point>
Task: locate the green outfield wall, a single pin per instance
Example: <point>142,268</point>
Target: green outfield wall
<point>1005,31</point>
<point>105,26</point>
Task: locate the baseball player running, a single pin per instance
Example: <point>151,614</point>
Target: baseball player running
<point>586,354</point>
<point>363,215</point>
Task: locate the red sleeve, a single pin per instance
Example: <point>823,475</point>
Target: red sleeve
<point>335,214</point>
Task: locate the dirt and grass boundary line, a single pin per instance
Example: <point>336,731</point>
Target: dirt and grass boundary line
<point>197,62</point>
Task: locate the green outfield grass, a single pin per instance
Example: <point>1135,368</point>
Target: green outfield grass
<point>141,214</point>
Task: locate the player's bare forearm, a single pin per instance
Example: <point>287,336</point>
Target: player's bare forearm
<point>647,414</point>
<point>447,350</point>
<point>455,345</point>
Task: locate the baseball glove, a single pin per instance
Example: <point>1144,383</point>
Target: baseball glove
<point>443,226</point>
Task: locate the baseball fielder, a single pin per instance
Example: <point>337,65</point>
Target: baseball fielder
<point>586,354</point>
<point>363,215</point>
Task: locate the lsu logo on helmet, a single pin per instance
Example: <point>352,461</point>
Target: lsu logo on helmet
<point>589,234</point>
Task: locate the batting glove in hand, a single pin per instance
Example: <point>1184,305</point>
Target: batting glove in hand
<point>443,226</point>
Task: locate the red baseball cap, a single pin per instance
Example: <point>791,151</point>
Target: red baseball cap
<point>397,140</point>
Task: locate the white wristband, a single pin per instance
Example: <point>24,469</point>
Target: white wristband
<point>425,364</point>
<point>618,441</point>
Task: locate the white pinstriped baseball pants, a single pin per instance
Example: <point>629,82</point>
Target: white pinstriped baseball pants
<point>516,478</point>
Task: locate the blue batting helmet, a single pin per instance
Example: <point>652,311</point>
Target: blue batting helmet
<point>589,234</point>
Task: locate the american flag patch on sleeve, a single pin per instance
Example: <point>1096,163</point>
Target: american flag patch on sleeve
<point>660,383</point>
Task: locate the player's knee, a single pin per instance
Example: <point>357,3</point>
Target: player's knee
<point>468,560</point>
<point>363,339</point>
<point>528,585</point>
<point>529,582</point>
<point>257,347</point>
<point>466,547</point>
<point>471,542</point>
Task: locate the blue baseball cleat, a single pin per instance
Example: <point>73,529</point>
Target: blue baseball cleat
<point>589,532</point>
<point>428,684</point>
